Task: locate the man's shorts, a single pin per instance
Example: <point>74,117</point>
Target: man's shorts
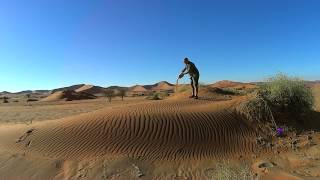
<point>195,78</point>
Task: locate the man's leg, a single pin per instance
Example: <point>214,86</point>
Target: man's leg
<point>196,84</point>
<point>192,82</point>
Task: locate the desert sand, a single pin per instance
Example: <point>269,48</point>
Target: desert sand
<point>175,138</point>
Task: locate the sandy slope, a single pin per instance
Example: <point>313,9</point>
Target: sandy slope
<point>153,130</point>
<point>123,142</point>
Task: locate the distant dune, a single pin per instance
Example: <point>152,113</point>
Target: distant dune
<point>68,95</point>
<point>232,84</point>
<point>163,86</point>
<point>138,88</point>
<point>91,89</point>
<point>73,87</point>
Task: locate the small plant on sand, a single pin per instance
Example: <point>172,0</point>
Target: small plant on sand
<point>156,96</point>
<point>5,99</point>
<point>257,111</point>
<point>122,93</point>
<point>287,94</point>
<point>109,93</point>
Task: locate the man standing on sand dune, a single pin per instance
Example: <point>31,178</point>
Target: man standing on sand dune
<point>192,70</point>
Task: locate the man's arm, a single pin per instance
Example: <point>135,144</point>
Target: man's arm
<point>186,70</point>
<point>183,70</point>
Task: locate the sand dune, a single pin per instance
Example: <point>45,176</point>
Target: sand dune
<point>68,95</point>
<point>91,89</point>
<point>138,88</point>
<point>164,130</point>
<point>163,86</point>
<point>73,87</point>
<point>232,84</point>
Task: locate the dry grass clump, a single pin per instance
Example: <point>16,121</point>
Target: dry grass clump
<point>5,99</point>
<point>281,99</point>
<point>259,114</point>
<point>158,96</point>
<point>287,94</point>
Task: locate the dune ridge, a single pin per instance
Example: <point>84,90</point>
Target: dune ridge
<point>152,130</point>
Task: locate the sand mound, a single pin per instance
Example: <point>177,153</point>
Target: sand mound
<point>73,87</point>
<point>163,86</point>
<point>68,95</point>
<point>152,130</point>
<point>90,89</point>
<point>138,88</point>
<point>232,84</point>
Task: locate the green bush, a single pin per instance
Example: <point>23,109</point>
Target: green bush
<point>287,94</point>
<point>154,96</point>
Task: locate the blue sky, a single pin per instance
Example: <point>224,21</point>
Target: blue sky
<point>46,44</point>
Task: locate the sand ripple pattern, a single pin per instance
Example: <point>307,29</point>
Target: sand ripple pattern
<point>170,129</point>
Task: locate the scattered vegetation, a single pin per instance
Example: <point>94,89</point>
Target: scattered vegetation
<point>158,95</point>
<point>122,93</point>
<point>32,100</point>
<point>5,99</point>
<point>109,93</point>
<point>154,96</point>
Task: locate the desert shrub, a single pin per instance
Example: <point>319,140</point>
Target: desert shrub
<point>5,99</point>
<point>155,96</point>
<point>122,93</point>
<point>164,94</point>
<point>257,111</point>
<point>287,94</point>
<point>32,100</point>
<point>109,93</point>
<point>226,171</point>
<point>281,99</point>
